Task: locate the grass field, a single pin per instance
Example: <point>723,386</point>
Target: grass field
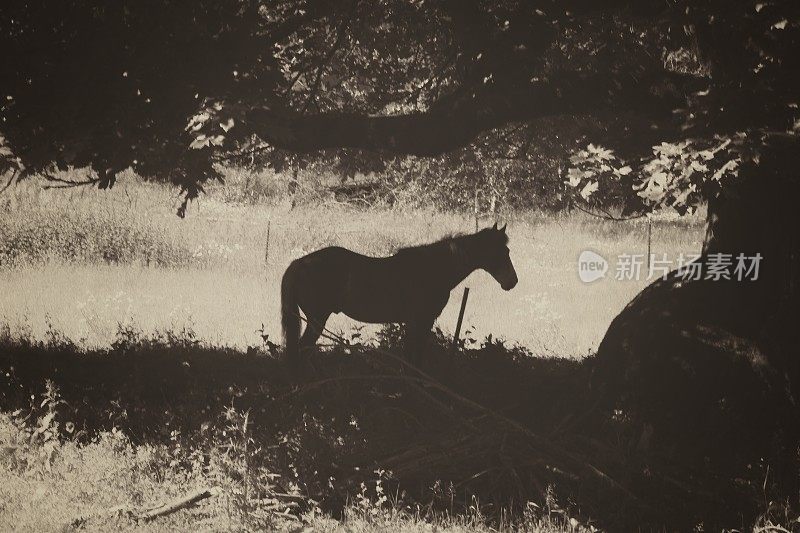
<point>82,271</point>
<point>84,261</point>
<point>111,471</point>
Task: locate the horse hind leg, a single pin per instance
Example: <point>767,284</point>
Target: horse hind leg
<point>315,325</point>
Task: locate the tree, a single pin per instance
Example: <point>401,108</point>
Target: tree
<point>112,86</point>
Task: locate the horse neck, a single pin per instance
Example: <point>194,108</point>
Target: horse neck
<point>459,265</point>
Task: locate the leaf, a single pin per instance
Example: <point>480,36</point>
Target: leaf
<point>574,177</point>
<point>698,166</point>
<point>589,189</point>
<point>681,199</point>
<point>578,158</point>
<point>198,121</point>
<point>600,153</point>
<point>731,167</point>
<point>659,179</point>
<point>44,423</point>
<point>201,141</point>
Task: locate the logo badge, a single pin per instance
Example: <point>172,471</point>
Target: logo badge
<point>591,266</point>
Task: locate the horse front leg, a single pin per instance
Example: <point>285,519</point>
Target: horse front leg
<point>417,335</point>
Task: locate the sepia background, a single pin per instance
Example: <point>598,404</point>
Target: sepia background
<point>162,163</point>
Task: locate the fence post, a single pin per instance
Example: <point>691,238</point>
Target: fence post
<point>266,248</point>
<point>649,239</point>
<point>476,209</point>
<point>460,316</point>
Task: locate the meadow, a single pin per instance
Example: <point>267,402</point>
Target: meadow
<point>83,262</point>
<point>115,433</point>
<point>139,360</point>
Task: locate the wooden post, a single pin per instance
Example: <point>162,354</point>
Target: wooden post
<point>476,209</point>
<point>460,316</point>
<point>293,186</point>
<point>266,249</point>
<point>649,239</point>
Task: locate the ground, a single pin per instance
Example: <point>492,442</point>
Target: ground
<point>140,360</point>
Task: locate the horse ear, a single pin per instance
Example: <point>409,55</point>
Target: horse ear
<point>495,226</point>
<point>503,229</point>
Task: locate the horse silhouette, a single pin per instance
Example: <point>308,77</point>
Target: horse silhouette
<point>410,287</point>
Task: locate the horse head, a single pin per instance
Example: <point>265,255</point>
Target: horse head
<point>494,256</point>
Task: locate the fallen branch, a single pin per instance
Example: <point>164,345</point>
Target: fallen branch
<point>178,504</point>
<point>429,381</point>
<point>279,508</point>
<point>160,510</point>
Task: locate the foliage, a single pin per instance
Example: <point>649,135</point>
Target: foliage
<point>172,88</point>
<point>679,172</point>
<point>680,175</point>
<point>593,166</point>
<point>41,437</point>
<point>88,479</point>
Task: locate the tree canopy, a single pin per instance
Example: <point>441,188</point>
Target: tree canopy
<point>171,87</point>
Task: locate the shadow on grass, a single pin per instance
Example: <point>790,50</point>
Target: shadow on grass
<point>492,425</point>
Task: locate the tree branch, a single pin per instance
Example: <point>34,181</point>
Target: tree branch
<point>61,183</point>
<point>452,122</point>
<point>606,215</point>
<point>9,182</point>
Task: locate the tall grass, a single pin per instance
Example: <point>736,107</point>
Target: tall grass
<point>85,260</point>
<point>156,417</point>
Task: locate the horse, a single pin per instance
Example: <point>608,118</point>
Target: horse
<point>410,287</point>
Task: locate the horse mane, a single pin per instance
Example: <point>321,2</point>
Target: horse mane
<point>440,246</point>
<point>436,246</point>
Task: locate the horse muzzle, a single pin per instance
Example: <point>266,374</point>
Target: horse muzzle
<point>509,284</point>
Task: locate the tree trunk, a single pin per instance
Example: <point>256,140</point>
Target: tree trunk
<point>714,366</point>
<point>760,216</point>
<point>292,189</point>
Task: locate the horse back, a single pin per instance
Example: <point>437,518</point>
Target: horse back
<point>371,289</point>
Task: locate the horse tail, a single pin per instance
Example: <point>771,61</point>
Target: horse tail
<point>290,313</point>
